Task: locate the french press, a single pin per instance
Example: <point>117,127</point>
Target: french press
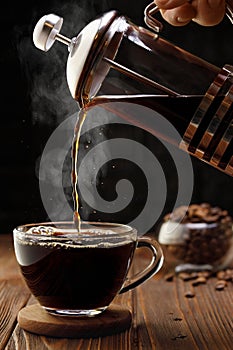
<point>112,59</point>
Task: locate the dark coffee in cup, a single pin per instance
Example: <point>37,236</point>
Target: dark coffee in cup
<point>75,277</point>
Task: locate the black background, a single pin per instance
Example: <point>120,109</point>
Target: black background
<point>28,116</point>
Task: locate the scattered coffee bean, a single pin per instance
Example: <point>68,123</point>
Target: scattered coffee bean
<point>221,275</point>
<point>220,284</point>
<point>199,280</point>
<point>169,277</point>
<point>205,274</point>
<point>179,336</point>
<point>226,275</point>
<point>189,294</point>
<point>177,319</point>
<point>185,276</point>
<point>229,275</point>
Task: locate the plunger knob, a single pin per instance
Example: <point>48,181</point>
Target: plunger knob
<point>47,31</point>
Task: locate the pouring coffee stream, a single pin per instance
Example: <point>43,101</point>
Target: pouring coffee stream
<point>114,63</point>
<point>74,175</point>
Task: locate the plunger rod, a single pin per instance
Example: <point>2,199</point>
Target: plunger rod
<point>139,77</point>
<point>63,39</point>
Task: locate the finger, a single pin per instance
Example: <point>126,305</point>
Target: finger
<point>179,16</point>
<point>209,12</point>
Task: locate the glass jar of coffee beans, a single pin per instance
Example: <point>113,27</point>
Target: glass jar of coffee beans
<point>199,236</point>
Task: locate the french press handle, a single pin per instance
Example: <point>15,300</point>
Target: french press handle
<point>204,146</point>
<point>157,26</point>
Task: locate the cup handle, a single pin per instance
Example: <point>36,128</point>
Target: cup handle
<point>153,267</point>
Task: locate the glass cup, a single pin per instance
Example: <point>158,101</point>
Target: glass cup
<point>79,274</point>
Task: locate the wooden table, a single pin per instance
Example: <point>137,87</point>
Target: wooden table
<point>163,317</point>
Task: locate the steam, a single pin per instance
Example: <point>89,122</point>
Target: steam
<point>54,169</point>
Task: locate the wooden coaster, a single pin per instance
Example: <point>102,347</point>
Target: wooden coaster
<point>35,319</point>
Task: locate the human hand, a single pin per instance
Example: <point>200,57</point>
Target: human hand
<point>181,12</point>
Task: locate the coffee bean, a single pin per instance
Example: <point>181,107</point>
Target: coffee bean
<point>201,212</point>
<point>227,275</point>
<point>185,276</point>
<point>221,275</point>
<point>189,294</point>
<point>169,277</point>
<point>199,280</point>
<point>226,219</point>
<point>205,274</point>
<point>220,284</point>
